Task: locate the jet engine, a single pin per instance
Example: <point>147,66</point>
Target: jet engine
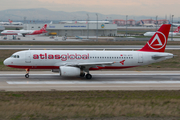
<point>69,71</point>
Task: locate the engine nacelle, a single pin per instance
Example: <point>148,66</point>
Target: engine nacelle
<point>69,71</point>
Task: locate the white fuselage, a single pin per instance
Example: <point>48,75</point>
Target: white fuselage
<point>152,33</point>
<point>53,59</point>
<point>12,23</point>
<point>17,32</point>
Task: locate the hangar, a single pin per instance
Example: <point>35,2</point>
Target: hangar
<point>76,29</point>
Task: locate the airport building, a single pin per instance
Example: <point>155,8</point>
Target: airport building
<point>76,29</point>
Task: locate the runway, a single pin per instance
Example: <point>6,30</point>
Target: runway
<point>80,47</point>
<point>102,80</point>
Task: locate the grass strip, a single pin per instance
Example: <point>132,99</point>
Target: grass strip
<point>89,104</point>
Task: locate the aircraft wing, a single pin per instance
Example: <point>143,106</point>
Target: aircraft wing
<point>25,32</point>
<point>84,64</point>
<point>89,64</point>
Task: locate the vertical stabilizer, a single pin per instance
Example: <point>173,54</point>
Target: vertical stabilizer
<point>158,41</point>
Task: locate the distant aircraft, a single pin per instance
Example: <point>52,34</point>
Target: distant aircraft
<point>174,24</point>
<point>25,32</point>
<point>79,62</point>
<point>176,32</point>
<point>148,25</point>
<point>15,23</point>
<point>11,23</point>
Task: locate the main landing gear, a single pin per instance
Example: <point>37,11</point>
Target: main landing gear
<point>27,73</point>
<point>88,76</point>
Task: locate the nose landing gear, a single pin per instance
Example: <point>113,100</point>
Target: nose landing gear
<point>27,73</point>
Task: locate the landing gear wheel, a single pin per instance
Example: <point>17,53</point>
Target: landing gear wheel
<point>27,75</point>
<point>82,74</point>
<point>88,76</point>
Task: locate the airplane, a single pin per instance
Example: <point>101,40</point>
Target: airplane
<point>25,32</point>
<point>174,24</point>
<point>15,23</point>
<point>176,32</point>
<point>148,25</point>
<point>77,63</point>
<point>11,23</point>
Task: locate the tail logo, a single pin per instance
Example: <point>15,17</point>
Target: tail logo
<point>177,30</point>
<point>158,42</point>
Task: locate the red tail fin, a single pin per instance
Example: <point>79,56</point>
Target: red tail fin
<point>44,27</point>
<point>10,21</point>
<point>177,30</point>
<point>158,41</point>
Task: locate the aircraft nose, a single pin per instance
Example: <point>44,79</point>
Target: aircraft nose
<point>6,62</point>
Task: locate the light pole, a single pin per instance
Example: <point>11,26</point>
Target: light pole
<point>97,26</point>
<point>156,23</point>
<point>172,29</point>
<point>126,25</point>
<point>88,26</point>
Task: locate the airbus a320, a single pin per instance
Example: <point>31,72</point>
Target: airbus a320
<point>80,63</point>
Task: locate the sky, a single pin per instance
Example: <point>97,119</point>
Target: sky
<point>122,7</point>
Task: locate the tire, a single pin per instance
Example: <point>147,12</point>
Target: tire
<point>88,76</point>
<point>27,76</point>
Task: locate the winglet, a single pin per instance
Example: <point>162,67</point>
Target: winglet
<point>158,41</point>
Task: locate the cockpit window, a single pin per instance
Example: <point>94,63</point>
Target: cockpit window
<point>15,56</point>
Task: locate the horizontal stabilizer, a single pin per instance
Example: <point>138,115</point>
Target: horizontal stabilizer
<point>161,56</point>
